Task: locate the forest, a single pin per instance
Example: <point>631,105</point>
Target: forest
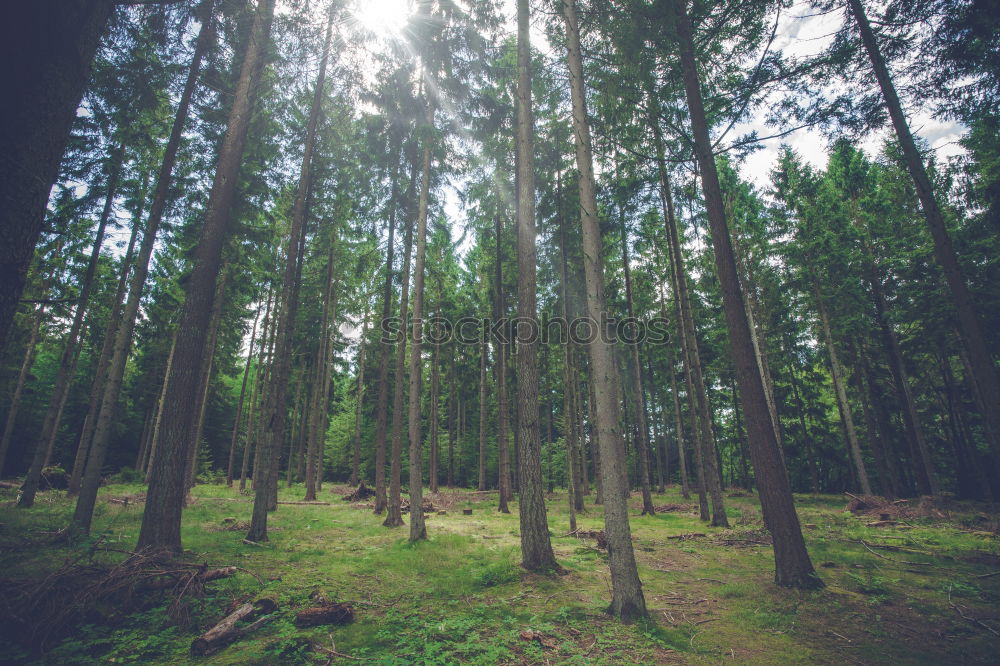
<point>500,332</point>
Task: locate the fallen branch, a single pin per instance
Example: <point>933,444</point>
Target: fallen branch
<point>891,559</point>
<point>226,631</point>
<point>171,579</point>
<point>305,503</point>
<point>969,618</point>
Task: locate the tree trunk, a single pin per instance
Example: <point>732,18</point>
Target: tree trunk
<point>161,520</point>
<point>394,518</point>
<point>482,415</point>
<point>627,602</point>
<point>72,346</point>
<point>234,438</point>
<point>318,404</point>
<point>837,373</point>
<point>206,379</point>
<point>984,372</point>
<point>104,360</point>
<point>500,363</point>
<point>792,564</point>
<point>48,47</point>
<point>923,466</point>
<point>642,439</point>
<point>359,407</point>
<point>432,473</point>
<point>418,529</point>
<point>385,343</point>
<point>536,548</point>
<point>274,426</point>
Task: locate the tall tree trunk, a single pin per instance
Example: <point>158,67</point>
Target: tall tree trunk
<point>627,602</point>
<point>385,343</point>
<point>792,564</point>
<point>234,437</point>
<point>482,415</point>
<point>418,529</point>
<point>394,518</point>
<point>104,360</point>
<point>452,421</point>
<point>642,439</point>
<point>984,372</point>
<point>72,346</point>
<point>432,473</point>
<point>571,409</point>
<point>206,378</point>
<point>837,373</point>
<point>536,548</point>
<point>318,406</point>
<point>47,47</point>
<point>923,466</point>
<point>270,445</point>
<point>359,407</point>
<point>121,334</point>
<point>500,363</point>
<point>697,401</point>
<point>160,403</point>
<point>698,405</point>
<point>161,520</point>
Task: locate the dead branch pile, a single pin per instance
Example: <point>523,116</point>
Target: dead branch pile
<point>602,541</point>
<point>37,611</point>
<point>360,494</point>
<point>938,508</point>
<point>426,504</point>
<point>676,508</point>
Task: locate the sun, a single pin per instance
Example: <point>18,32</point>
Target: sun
<point>383,18</point>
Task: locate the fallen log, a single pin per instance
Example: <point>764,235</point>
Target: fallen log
<point>341,613</point>
<point>226,631</point>
<point>9,485</point>
<point>171,579</point>
<point>306,503</point>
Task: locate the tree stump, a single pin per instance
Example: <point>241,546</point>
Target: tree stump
<point>466,512</point>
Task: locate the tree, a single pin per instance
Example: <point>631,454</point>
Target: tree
<point>161,521</point>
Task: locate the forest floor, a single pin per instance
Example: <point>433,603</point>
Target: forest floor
<point>925,591</point>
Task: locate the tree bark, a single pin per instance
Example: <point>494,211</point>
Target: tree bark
<point>793,567</point>
<point>47,47</point>
<point>104,360</point>
<point>359,407</point>
<point>394,518</point>
<point>642,439</point>
<point>482,415</point>
<point>385,344</point>
<point>536,548</point>
<point>984,372</point>
<point>500,367</point>
<point>234,437</point>
<point>265,492</point>
<point>418,529</point>
<point>837,373</point>
<point>627,602</point>
<point>160,528</point>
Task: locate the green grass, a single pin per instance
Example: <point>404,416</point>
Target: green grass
<point>462,597</point>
